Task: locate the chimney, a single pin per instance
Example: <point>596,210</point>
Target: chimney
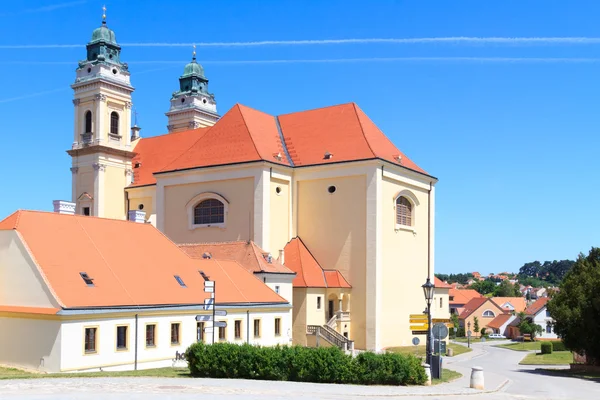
<point>64,207</point>
<point>135,132</point>
<point>281,257</point>
<point>138,216</point>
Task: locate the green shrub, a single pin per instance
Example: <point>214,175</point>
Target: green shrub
<point>557,345</point>
<point>460,332</point>
<point>302,364</point>
<point>546,348</point>
<point>482,331</point>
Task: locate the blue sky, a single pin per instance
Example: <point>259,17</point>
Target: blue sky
<point>510,127</point>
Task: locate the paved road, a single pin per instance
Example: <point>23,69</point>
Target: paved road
<point>503,377</point>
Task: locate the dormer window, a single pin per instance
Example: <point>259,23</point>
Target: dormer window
<point>86,278</point>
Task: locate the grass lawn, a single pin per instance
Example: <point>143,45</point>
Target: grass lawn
<point>13,373</point>
<point>593,376</point>
<point>556,358</point>
<point>522,346</point>
<point>447,376</point>
<point>419,351</point>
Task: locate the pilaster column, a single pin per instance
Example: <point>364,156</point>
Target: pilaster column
<point>101,133</point>
<point>74,172</point>
<point>374,259</point>
<point>262,212</point>
<point>99,169</point>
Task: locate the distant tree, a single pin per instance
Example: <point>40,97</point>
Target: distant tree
<point>507,289</point>
<point>455,321</point>
<point>476,325</point>
<point>531,269</point>
<point>527,327</point>
<point>575,308</point>
<point>484,287</point>
<point>483,330</point>
<point>528,296</point>
<point>452,278</point>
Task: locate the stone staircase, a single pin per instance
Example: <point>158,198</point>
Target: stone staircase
<point>331,335</point>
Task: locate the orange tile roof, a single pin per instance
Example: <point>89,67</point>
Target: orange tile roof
<point>440,284</point>
<point>499,321</point>
<point>463,296</point>
<point>154,153</point>
<point>343,130</point>
<point>125,273</point>
<point>537,306</point>
<point>241,135</point>
<point>309,272</point>
<point>246,135</point>
<point>518,303</point>
<point>248,254</point>
<point>29,310</point>
<point>472,306</point>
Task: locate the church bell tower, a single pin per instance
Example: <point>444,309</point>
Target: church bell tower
<point>192,106</point>
<point>102,150</point>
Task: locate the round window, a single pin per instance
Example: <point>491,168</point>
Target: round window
<point>204,101</point>
<point>278,189</point>
<point>141,207</point>
<point>89,70</point>
<point>114,71</point>
<point>183,100</point>
<point>331,189</point>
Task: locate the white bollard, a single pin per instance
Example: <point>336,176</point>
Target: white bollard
<point>477,378</point>
<point>428,373</point>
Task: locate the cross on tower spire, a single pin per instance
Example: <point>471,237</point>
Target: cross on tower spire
<point>194,52</point>
<point>103,15</point>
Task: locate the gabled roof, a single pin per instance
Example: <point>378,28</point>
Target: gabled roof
<point>538,306</point>
<point>247,254</point>
<point>125,272</point>
<point>247,135</point>
<point>439,284</point>
<point>472,306</point>
<point>154,153</point>
<point>309,272</point>
<point>519,304</point>
<point>241,135</point>
<point>499,321</point>
<point>463,296</point>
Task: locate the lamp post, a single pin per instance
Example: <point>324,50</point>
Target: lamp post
<point>469,334</point>
<point>428,288</point>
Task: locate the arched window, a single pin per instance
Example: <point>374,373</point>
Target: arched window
<point>489,314</point>
<point>88,122</point>
<point>114,123</point>
<point>209,211</point>
<point>403,211</point>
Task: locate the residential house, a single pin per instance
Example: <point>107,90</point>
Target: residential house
<point>441,300</point>
<point>511,304</point>
<point>459,297</point>
<point>80,293</point>
<point>538,312</point>
<point>500,323</point>
<point>482,308</point>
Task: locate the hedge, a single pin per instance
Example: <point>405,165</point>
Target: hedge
<point>546,348</point>
<point>557,345</point>
<point>302,364</point>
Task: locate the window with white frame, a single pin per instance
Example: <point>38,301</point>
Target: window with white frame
<point>548,327</point>
<point>489,314</point>
<point>404,211</point>
<point>207,210</point>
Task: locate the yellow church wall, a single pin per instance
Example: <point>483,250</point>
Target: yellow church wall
<point>333,227</point>
<point>145,196</point>
<point>404,266</point>
<point>114,194</point>
<point>299,317</point>
<point>280,215</point>
<point>84,179</point>
<point>238,220</point>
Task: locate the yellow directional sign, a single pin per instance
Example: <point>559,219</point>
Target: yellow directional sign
<point>417,316</point>
<point>435,320</point>
<point>420,327</point>
<point>418,321</point>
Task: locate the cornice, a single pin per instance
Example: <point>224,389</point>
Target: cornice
<point>101,149</point>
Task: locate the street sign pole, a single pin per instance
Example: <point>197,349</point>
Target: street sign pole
<point>212,296</point>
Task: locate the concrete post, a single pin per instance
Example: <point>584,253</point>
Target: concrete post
<point>477,378</point>
<point>428,373</point>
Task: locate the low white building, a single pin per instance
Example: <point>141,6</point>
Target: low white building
<point>538,312</point>
<point>82,293</point>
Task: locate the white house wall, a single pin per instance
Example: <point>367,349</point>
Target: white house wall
<point>30,343</point>
<point>541,319</point>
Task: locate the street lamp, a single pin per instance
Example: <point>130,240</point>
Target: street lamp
<point>428,288</point>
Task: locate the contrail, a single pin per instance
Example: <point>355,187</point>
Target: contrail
<point>453,40</point>
<point>522,60</point>
<point>33,95</point>
<point>48,8</point>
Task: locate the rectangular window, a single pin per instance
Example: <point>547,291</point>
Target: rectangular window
<point>548,328</point>
<point>257,328</point>
<point>200,331</point>
<point>277,326</point>
<point>151,335</point>
<point>441,302</point>
<point>319,303</point>
<point>90,340</point>
<point>175,333</point>
<point>277,289</point>
<point>547,314</point>
<point>238,329</point>
<point>121,338</point>
<point>222,333</point>
<point>86,211</point>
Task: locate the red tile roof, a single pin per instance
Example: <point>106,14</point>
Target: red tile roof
<point>518,303</point>
<point>439,284</point>
<point>499,321</point>
<point>472,306</point>
<point>537,306</point>
<point>308,271</point>
<point>245,135</point>
<point>125,273</point>
<point>154,153</point>
<point>248,254</point>
<point>463,296</point>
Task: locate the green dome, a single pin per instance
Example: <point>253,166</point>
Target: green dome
<point>103,34</point>
<point>193,68</point>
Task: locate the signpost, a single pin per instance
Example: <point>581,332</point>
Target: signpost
<point>418,324</point>
<point>209,305</point>
<point>469,333</point>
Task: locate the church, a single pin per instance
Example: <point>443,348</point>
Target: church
<point>322,192</point>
